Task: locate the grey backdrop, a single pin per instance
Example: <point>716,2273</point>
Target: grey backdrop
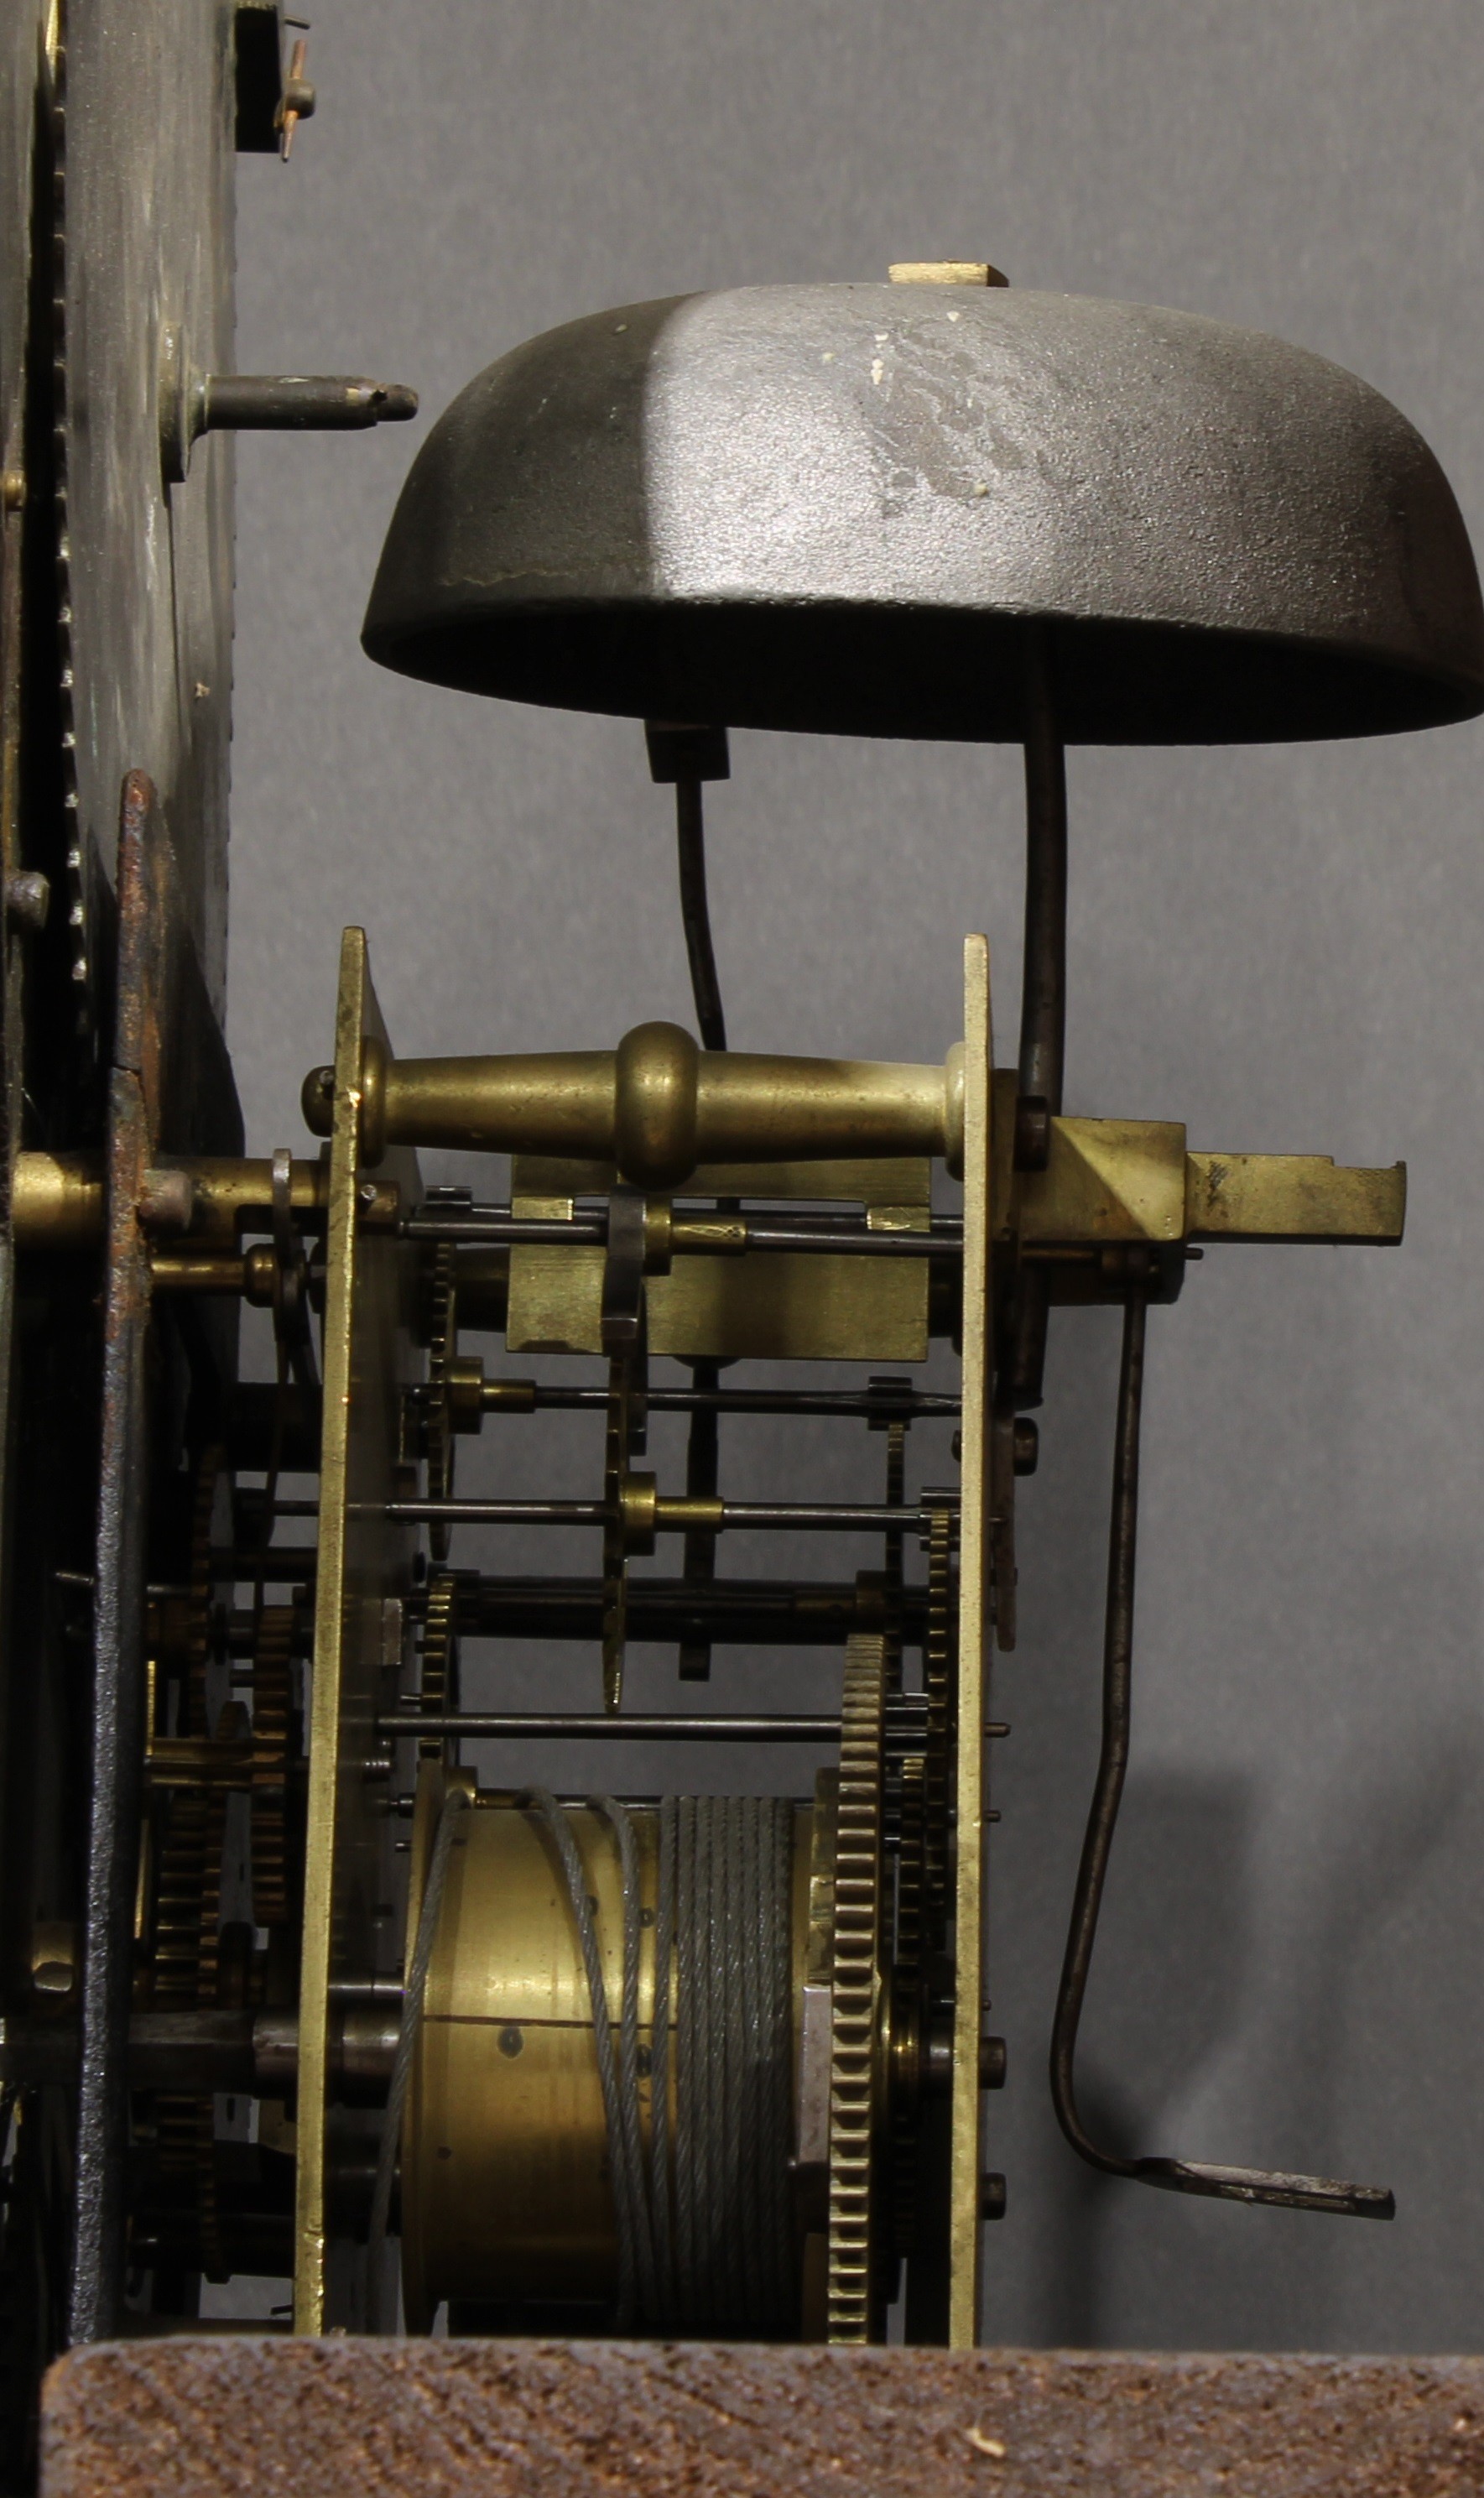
<point>1279,947</point>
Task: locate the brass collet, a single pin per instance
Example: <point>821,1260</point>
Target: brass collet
<point>658,1107</point>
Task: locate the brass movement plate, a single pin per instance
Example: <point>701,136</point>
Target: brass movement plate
<point>964,2228</point>
<point>352,1876</point>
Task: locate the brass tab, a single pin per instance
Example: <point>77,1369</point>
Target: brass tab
<point>1294,1196</point>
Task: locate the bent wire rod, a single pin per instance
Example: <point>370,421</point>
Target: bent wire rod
<point>1043,986</point>
<point>703,1452</point>
<point>1179,2176</point>
<point>690,839</point>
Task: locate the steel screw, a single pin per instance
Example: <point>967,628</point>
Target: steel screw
<point>28,899</point>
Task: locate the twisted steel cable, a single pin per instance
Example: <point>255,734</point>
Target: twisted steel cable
<point>635,2187</point>
<point>544,1803</point>
<point>660,2194</point>
<point>705,2227</point>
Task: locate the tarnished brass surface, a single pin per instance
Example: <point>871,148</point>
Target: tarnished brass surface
<point>857,2063</point>
<point>250,1274</point>
<point>58,1197</point>
<point>364,1572</point>
<point>767,1306</point>
<point>657,1106</point>
<point>963,2230</point>
<point>196,1761</point>
<point>1106,1179</point>
<point>58,1200</point>
<point>227,1192</point>
<point>1109,1180</point>
<point>1292,1197</point>
<point>506,2193</point>
<point>1131,525</point>
<point>815,2057</point>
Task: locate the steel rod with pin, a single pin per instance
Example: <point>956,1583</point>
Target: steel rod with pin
<point>695,757</point>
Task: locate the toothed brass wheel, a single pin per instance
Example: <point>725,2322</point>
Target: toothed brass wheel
<point>856,2061</point>
<point>439,1687</point>
<point>272,1700</point>
<point>442,1349</point>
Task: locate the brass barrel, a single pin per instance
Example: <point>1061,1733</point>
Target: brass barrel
<point>507,2195</point>
<point>657,1106</point>
<point>57,1201</point>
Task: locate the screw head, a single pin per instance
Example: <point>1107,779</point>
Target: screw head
<point>28,899</point>
<point>992,2065</point>
<point>991,2196</point>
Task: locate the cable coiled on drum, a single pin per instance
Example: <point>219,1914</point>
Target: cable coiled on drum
<point>704,2225</point>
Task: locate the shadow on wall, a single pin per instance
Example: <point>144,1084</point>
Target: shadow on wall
<point>1173,1995</point>
<point>1335,2067</point>
<point>1166,1988</point>
<point>1289,1974</point>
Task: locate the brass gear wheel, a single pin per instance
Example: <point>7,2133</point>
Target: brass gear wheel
<point>908,1994</point>
<point>439,1681</point>
<point>617,1443</point>
<point>186,1958</point>
<point>855,2052</point>
<point>273,1668</point>
<point>187,1900</point>
<point>939,1676</point>
<point>209,1485</point>
<point>438,1427</point>
<point>189,1857</point>
<point>922,1869</point>
<point>188,1890</point>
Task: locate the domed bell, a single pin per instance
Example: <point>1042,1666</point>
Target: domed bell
<point>837,507</point>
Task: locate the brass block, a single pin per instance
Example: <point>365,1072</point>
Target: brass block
<point>1107,1179</point>
<point>765,1306</point>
